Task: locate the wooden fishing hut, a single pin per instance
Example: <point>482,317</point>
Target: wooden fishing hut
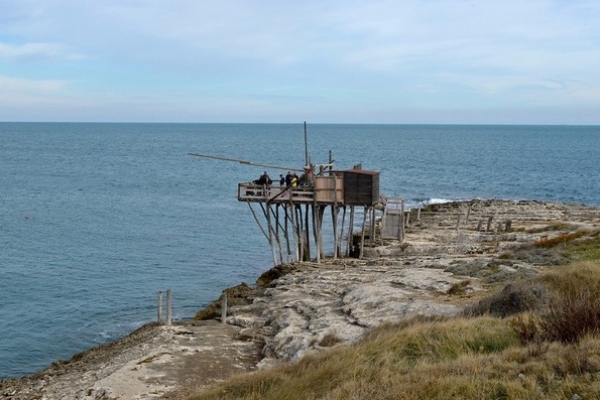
<point>291,214</point>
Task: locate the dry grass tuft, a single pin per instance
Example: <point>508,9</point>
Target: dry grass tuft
<point>552,226</point>
<point>574,309</point>
<point>459,288</point>
<point>561,239</point>
<point>512,299</point>
<point>329,340</point>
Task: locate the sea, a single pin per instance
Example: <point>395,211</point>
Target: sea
<point>97,218</point>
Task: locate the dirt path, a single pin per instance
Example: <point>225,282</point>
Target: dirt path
<point>155,362</point>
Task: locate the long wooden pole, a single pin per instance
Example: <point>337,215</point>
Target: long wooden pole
<point>362,238</point>
<point>270,227</point>
<point>287,233</point>
<point>295,229</point>
<point>306,146</point>
<point>245,162</point>
<point>298,212</point>
<point>159,306</point>
<point>169,306</point>
<point>306,232</point>
<point>257,221</point>
<point>350,231</point>
<point>334,213</point>
<point>341,241</point>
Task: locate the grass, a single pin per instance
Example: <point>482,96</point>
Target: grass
<point>539,339</point>
<point>479,358</point>
<point>586,250</point>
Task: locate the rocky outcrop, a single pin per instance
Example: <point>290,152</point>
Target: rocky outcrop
<point>441,267</point>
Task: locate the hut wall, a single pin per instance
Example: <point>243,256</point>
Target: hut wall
<point>360,187</point>
<point>329,189</point>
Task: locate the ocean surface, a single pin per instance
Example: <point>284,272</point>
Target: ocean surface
<point>95,219</point>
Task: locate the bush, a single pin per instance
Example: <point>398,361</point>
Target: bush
<point>574,308</point>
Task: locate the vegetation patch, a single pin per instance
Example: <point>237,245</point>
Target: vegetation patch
<point>239,295</point>
<point>459,288</point>
<point>265,279</point>
<point>489,271</point>
<point>560,239</point>
<point>552,227</point>
<point>512,299</point>
<point>585,250</point>
<point>329,340</point>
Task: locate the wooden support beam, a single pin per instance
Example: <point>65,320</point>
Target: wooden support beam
<point>350,232</point>
<point>362,238</point>
<point>257,221</point>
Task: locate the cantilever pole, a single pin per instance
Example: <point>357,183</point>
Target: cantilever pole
<point>245,162</point>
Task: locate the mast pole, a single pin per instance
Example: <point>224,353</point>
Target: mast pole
<point>305,146</point>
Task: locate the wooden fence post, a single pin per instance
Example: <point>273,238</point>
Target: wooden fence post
<point>224,307</point>
<point>489,224</point>
<point>159,307</point>
<point>169,301</point>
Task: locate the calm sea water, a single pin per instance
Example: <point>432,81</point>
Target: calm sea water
<point>96,218</point>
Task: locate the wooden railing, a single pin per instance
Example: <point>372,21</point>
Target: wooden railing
<point>248,191</point>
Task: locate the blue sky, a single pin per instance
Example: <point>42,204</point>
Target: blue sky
<point>403,61</point>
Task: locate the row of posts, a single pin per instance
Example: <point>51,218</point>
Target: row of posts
<point>506,226</point>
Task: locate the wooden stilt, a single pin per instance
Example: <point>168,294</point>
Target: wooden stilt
<point>334,217</point>
<point>362,238</point>
<point>341,239</point>
<point>295,229</point>
<point>350,232</point>
<point>276,234</point>
<point>315,226</point>
<point>301,235</point>
<point>287,232</point>
<point>306,233</point>
<point>372,226</point>
<point>321,214</point>
<point>257,221</point>
<point>267,211</point>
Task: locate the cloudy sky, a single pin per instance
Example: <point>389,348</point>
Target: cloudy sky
<point>321,61</point>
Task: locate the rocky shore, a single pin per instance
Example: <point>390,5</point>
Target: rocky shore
<point>453,255</point>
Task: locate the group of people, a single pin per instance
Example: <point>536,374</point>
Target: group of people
<point>290,180</point>
<point>264,179</point>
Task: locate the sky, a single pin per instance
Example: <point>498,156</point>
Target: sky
<point>320,61</point>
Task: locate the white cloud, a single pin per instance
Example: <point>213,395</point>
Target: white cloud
<point>13,85</point>
<point>382,53</point>
<point>36,51</point>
